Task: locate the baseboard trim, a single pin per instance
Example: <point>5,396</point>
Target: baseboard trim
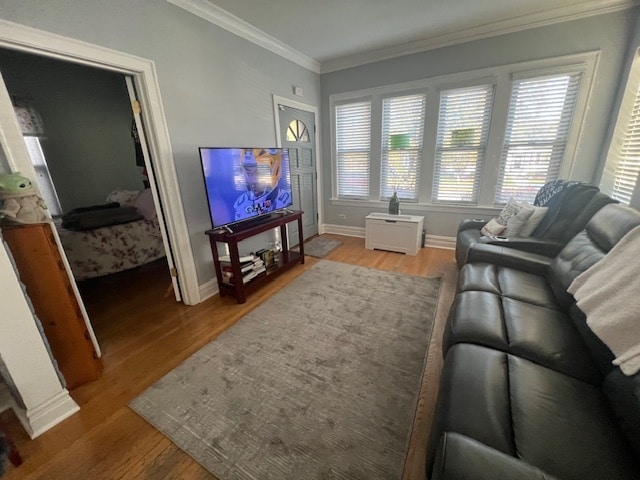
<point>208,289</point>
<point>38,420</point>
<point>434,241</point>
<point>345,230</point>
<point>439,241</point>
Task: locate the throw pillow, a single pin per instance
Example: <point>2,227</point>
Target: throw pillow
<point>126,198</point>
<point>533,221</point>
<point>144,204</point>
<point>517,222</point>
<point>492,228</point>
<point>512,208</point>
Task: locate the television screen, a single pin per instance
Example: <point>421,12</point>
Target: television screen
<point>242,183</point>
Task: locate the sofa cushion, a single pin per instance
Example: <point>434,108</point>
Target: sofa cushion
<point>473,399</point>
<point>544,336</point>
<point>565,426</point>
<point>604,230</point>
<point>507,282</point>
<point>461,457</point>
<point>550,420</point>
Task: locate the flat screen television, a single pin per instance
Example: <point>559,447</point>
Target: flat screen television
<point>245,183</point>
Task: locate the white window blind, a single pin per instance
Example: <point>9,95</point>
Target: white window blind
<point>623,161</point>
<point>353,149</point>
<point>463,128</point>
<point>538,124</point>
<point>402,134</point>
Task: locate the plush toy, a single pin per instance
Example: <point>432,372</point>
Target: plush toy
<point>19,201</point>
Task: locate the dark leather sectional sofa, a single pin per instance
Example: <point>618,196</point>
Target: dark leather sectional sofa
<point>527,390</point>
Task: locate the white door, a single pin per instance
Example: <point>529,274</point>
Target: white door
<point>298,134</point>
<point>137,115</point>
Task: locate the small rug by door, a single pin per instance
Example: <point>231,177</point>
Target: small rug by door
<point>319,246</point>
<point>318,382</point>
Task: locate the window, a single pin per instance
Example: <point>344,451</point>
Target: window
<point>463,128</point>
<point>538,122</point>
<point>43,179</point>
<point>485,136</point>
<point>353,149</point>
<point>402,133</point>
<point>620,178</point>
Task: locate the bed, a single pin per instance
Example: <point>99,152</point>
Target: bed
<point>133,240</point>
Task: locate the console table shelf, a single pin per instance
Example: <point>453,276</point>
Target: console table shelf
<point>236,233</point>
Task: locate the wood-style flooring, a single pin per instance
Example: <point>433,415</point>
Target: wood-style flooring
<point>144,334</point>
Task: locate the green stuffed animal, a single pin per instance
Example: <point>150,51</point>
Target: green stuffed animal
<point>19,201</point>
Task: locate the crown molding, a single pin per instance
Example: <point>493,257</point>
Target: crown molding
<point>569,13</point>
<point>223,19</point>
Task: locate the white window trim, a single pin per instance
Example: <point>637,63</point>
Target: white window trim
<point>624,113</point>
<point>501,75</point>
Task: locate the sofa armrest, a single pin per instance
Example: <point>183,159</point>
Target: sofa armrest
<point>471,223</point>
<point>461,457</point>
<point>542,246</point>
<point>509,257</point>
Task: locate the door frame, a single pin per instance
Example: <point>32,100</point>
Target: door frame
<point>316,119</point>
<point>26,39</point>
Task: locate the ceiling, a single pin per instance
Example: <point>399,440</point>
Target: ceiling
<point>335,34</point>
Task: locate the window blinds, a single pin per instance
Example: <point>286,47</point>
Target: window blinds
<point>353,149</point>
<point>538,123</point>
<point>627,162</point>
<point>402,135</point>
<point>463,127</point>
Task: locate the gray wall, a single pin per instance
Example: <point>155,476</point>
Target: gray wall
<point>608,33</point>
<point>216,87</point>
<point>87,117</point>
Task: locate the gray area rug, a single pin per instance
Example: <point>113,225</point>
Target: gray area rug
<point>319,246</point>
<point>318,382</point>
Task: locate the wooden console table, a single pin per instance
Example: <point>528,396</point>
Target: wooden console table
<point>285,259</point>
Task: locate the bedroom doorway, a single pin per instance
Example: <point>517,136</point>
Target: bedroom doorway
<point>19,156</point>
<point>45,44</point>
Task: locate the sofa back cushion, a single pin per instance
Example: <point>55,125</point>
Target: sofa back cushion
<point>604,230</point>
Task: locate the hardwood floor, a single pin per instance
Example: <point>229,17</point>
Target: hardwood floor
<point>145,334</point>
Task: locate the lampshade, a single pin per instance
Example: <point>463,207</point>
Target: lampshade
<point>28,118</point>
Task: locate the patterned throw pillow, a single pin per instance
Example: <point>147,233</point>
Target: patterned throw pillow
<point>492,228</point>
<point>126,198</point>
<point>512,208</point>
<point>516,222</point>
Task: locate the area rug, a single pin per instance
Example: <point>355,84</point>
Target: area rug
<point>319,246</point>
<point>318,382</point>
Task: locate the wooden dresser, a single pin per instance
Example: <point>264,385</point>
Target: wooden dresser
<point>42,271</point>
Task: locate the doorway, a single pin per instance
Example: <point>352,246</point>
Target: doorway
<point>296,124</point>
<point>88,153</point>
<point>143,74</point>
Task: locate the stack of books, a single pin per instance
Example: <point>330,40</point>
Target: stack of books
<point>250,266</point>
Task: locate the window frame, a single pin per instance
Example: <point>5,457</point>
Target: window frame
<point>502,77</point>
<point>623,118</point>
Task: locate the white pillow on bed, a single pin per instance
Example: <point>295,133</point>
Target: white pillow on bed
<point>144,204</point>
<point>126,198</point>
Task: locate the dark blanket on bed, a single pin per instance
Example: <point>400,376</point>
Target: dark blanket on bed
<point>98,216</point>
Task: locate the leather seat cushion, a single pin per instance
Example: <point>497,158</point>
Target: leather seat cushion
<point>507,282</point>
<point>546,418</point>
<point>545,336</point>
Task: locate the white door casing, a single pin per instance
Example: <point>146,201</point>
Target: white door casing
<point>277,101</point>
<point>137,117</point>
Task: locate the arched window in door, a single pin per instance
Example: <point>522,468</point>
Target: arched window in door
<point>297,132</point>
